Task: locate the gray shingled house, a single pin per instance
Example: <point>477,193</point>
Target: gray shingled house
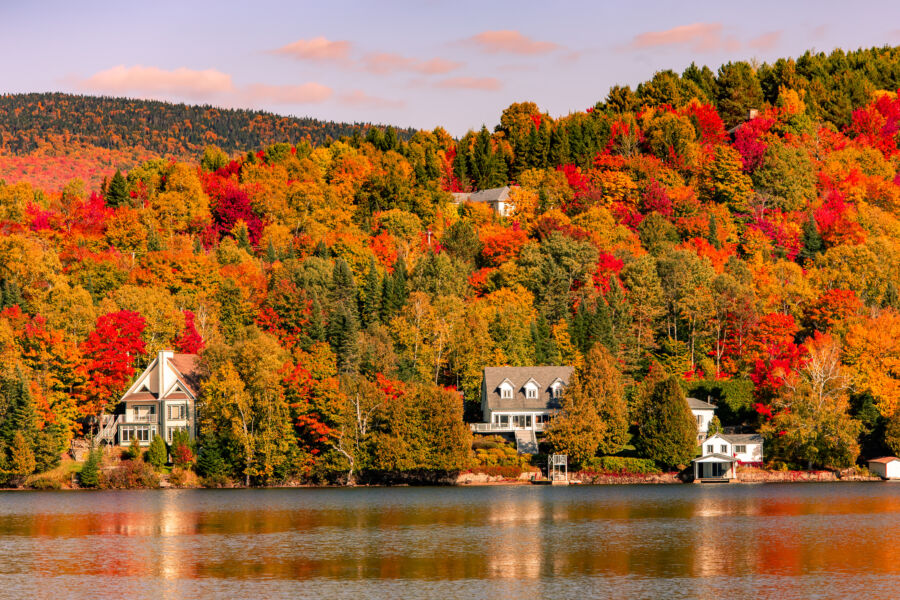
<point>520,397</point>
<point>496,198</point>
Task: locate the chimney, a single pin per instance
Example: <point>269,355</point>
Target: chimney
<point>161,366</point>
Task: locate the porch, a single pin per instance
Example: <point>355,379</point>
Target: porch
<point>510,422</point>
<point>714,468</point>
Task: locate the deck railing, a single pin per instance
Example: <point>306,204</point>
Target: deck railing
<point>492,427</point>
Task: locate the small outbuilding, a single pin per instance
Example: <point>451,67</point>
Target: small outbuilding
<point>887,467</point>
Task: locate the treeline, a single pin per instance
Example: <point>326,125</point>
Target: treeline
<point>345,306</point>
<point>28,121</point>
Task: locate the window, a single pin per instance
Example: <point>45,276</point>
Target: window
<point>556,391</point>
<point>144,434</point>
<point>506,392</point>
<point>709,448</point>
<point>531,392</point>
<point>741,449</point>
<point>170,431</point>
<point>125,434</point>
<point>504,420</point>
<point>723,449</point>
<point>700,420</point>
<point>177,412</point>
<point>145,413</point>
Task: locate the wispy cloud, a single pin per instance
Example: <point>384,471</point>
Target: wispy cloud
<point>316,49</point>
<point>361,99</point>
<point>141,80</point>
<point>487,84</point>
<point>766,41</point>
<point>509,41</point>
<point>307,93</point>
<point>387,62</point>
<point>698,37</point>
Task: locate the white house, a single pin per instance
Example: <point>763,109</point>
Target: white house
<point>887,467</point>
<point>721,453</point>
<point>746,448</point>
<point>703,413</point>
<point>497,198</point>
<point>161,400</point>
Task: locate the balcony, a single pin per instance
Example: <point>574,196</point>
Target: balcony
<point>138,418</point>
<point>498,428</point>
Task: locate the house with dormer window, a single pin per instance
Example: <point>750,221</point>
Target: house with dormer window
<point>162,400</point>
<point>514,398</point>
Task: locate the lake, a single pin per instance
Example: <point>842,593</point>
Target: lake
<point>679,541</point>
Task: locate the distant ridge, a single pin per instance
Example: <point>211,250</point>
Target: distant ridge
<point>30,121</point>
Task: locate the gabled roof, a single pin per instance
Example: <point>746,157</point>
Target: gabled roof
<point>700,404</point>
<point>715,457</point>
<point>187,369</point>
<point>184,368</point>
<point>518,376</point>
<point>884,459</point>
<point>742,438</point>
<point>490,195</point>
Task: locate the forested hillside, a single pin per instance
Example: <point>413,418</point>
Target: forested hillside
<point>340,297</point>
<point>90,136</point>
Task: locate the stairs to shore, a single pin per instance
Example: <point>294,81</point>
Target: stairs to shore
<point>526,441</point>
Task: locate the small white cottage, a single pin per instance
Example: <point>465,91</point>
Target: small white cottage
<point>497,198</point>
<point>703,413</point>
<point>887,467</point>
<point>746,448</point>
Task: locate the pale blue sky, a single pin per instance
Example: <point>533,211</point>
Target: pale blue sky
<point>421,64</point>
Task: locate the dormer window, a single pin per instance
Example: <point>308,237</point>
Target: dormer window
<point>531,389</point>
<point>506,390</point>
<point>556,389</point>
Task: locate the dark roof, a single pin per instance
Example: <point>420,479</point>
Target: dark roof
<point>188,368</point>
<point>700,404</point>
<point>518,377</point>
<point>489,196</point>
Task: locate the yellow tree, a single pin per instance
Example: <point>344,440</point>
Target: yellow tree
<point>872,353</point>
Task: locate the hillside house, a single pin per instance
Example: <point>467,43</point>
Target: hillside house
<point>703,413</point>
<point>521,400</point>
<point>162,400</point>
<point>496,198</point>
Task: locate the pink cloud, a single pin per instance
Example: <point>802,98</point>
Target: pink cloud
<point>699,37</point>
<point>362,99</point>
<point>510,41</point>
<point>307,93</point>
<point>153,80</point>
<point>387,62</point>
<point>318,48</point>
<point>487,84</point>
<point>766,41</point>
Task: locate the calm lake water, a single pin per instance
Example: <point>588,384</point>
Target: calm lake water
<point>685,541</point>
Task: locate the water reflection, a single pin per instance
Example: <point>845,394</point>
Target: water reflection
<point>648,541</point>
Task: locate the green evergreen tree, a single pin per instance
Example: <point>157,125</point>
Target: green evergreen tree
<point>342,333</point>
<point>667,430</point>
<point>271,254</point>
<point>560,153</point>
<point>117,192</point>
<point>198,246</point>
<point>157,453</point>
<point>10,294</point>
<point>545,351</point>
<point>210,464</point>
<point>134,449</point>
<point>90,472</point>
<point>343,286</point>
<point>812,240</point>
<point>713,235</point>
<point>370,296</point>
<point>315,329</point>
<point>242,237</point>
<point>21,415</point>
<point>322,251</point>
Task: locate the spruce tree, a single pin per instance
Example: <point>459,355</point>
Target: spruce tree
<point>134,449</point>
<point>713,235</point>
<point>271,254</point>
<point>315,329</point>
<point>812,240</point>
<point>90,472</point>
<point>117,192</point>
<point>342,333</point>
<point>668,432</point>
<point>21,458</point>
<point>370,296</point>
<point>157,454</point>
<point>210,464</point>
<point>545,351</point>
<point>343,286</point>
<point>602,384</point>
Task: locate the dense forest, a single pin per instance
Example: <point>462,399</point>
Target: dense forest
<point>82,136</point>
<point>666,241</point>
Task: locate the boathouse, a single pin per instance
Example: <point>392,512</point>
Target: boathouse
<point>887,467</point>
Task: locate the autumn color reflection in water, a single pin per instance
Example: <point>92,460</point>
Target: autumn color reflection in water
<point>776,541</point>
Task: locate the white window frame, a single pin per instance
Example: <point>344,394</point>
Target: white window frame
<point>182,408</point>
<point>531,391</point>
<point>723,448</point>
<point>125,434</point>
<point>170,431</point>
<point>506,392</point>
<point>740,449</point>
<point>710,448</point>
